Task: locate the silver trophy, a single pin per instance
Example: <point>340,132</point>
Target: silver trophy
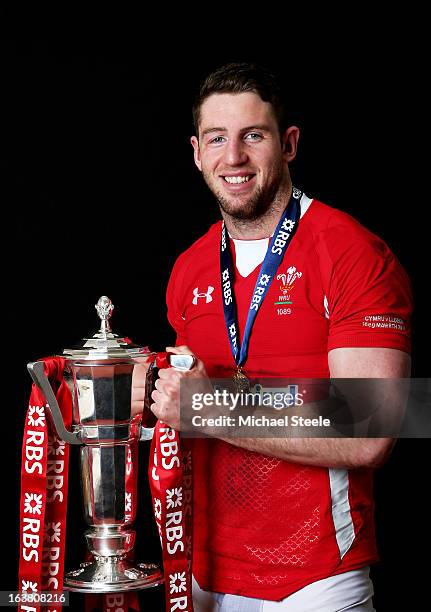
<point>108,426</point>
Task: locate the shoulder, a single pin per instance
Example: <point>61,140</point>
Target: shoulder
<point>324,218</point>
<point>338,233</point>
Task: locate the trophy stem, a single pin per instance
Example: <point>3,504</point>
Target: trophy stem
<point>112,570</point>
<point>106,541</point>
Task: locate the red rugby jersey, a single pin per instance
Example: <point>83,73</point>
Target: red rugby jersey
<point>264,527</point>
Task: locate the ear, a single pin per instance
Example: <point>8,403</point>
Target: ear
<point>289,142</point>
<point>197,153</point>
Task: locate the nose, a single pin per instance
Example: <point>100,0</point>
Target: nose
<point>235,153</point>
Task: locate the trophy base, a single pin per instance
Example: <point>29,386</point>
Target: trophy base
<point>112,575</point>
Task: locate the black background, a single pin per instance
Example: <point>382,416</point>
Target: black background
<point>100,194</point>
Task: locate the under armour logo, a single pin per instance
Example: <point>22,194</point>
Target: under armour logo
<point>207,295</point>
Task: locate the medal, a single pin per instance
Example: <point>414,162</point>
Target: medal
<point>241,381</point>
<point>280,240</point>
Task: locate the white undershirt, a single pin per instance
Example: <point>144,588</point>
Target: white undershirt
<point>251,253</point>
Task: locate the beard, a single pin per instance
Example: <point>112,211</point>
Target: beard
<point>258,203</point>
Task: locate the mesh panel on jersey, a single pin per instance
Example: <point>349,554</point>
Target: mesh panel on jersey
<point>292,491</point>
<point>270,580</point>
<point>255,494</point>
<point>295,551</point>
<point>243,481</point>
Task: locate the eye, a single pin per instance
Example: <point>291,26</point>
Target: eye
<point>217,140</point>
<point>253,136</point>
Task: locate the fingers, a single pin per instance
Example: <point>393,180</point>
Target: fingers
<point>158,408</point>
<point>166,395</point>
<point>157,396</point>
<point>198,368</point>
<point>167,386</point>
<point>169,374</point>
<point>165,409</point>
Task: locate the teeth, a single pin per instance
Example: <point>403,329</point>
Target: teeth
<point>237,179</point>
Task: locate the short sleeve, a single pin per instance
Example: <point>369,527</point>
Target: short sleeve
<point>369,298</point>
<point>174,302</point>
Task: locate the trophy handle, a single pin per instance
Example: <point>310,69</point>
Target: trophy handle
<point>162,360</point>
<point>37,372</point>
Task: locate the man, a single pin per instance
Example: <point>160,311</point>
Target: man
<point>279,523</point>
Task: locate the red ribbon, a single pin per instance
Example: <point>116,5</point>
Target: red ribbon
<point>170,474</point>
<point>171,491</point>
<point>44,483</point>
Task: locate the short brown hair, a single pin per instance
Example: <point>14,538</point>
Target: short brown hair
<point>240,78</point>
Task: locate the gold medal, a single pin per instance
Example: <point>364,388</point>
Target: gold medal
<point>241,381</point>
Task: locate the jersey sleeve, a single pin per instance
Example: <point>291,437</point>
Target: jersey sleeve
<point>369,298</point>
<point>174,302</point>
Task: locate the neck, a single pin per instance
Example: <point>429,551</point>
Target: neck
<point>263,226</point>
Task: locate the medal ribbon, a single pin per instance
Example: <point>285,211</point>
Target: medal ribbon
<point>280,241</point>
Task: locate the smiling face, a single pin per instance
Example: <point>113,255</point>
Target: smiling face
<point>243,159</point>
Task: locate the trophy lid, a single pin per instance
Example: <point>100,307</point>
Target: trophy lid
<point>105,344</point>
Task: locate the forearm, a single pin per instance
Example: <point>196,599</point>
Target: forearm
<point>342,452</point>
<point>325,452</point>
<point>338,451</point>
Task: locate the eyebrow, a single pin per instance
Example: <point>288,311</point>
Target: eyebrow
<point>263,127</point>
